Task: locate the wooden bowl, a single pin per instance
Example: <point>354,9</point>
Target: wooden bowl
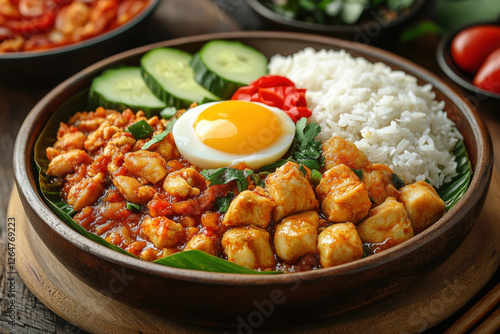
<point>31,67</point>
<point>218,299</point>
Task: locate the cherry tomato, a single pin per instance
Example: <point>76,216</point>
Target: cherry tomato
<point>488,76</point>
<point>471,46</point>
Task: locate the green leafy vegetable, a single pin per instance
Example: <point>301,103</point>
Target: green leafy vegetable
<point>140,130</point>
<point>222,203</point>
<point>397,181</point>
<point>225,175</point>
<point>358,172</point>
<point>307,150</point>
<point>453,191</point>
<point>198,260</point>
<point>159,137</point>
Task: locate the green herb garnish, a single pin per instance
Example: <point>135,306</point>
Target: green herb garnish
<point>133,207</point>
<point>225,175</point>
<point>223,203</point>
<point>307,150</point>
<point>140,130</point>
<point>358,172</point>
<point>397,181</point>
<point>159,137</point>
<point>316,177</point>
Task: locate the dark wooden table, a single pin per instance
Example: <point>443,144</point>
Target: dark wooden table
<point>170,21</point>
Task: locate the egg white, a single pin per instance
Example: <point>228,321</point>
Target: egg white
<point>203,156</point>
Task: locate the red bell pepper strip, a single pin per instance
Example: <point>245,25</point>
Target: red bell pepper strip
<point>276,91</point>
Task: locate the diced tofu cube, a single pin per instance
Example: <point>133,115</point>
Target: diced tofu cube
<point>248,247</point>
<point>343,196</point>
<point>291,190</point>
<point>249,208</point>
<point>422,203</point>
<point>297,235</point>
<point>203,243</point>
<point>386,223</point>
<point>339,243</point>
<point>338,151</point>
<point>162,232</point>
<point>378,181</point>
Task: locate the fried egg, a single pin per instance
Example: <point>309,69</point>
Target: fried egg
<point>218,134</point>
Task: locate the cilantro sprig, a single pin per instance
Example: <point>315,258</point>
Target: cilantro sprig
<point>225,175</point>
<point>305,149</point>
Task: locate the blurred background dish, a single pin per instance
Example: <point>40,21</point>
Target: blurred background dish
<point>451,68</point>
<point>358,18</point>
<point>49,46</point>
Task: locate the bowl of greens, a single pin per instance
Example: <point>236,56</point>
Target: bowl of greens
<point>341,18</point>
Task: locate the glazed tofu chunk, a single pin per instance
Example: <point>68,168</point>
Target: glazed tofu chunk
<point>296,236</point>
<point>343,196</point>
<point>338,151</point>
<point>378,181</point>
<point>422,203</point>
<point>162,232</point>
<point>290,190</point>
<point>339,243</point>
<point>248,247</point>
<point>249,208</point>
<point>203,243</point>
<point>386,223</point>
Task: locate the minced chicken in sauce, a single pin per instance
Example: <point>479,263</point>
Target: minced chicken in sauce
<point>154,203</point>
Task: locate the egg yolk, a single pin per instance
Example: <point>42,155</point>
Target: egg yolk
<point>238,127</point>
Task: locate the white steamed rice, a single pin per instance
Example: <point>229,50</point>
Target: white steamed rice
<point>385,113</point>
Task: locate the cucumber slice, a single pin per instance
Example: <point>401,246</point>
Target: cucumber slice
<point>167,73</point>
<point>224,66</point>
<point>122,88</point>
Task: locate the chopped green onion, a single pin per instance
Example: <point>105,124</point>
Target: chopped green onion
<point>168,112</point>
<point>140,130</point>
<point>133,207</point>
<point>316,177</point>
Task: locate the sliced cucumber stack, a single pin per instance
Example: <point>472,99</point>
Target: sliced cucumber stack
<point>122,88</point>
<point>168,74</point>
<point>224,66</point>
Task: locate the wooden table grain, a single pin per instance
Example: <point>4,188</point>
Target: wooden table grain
<point>172,18</point>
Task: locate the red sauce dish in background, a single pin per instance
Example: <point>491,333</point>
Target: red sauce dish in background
<point>29,25</point>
